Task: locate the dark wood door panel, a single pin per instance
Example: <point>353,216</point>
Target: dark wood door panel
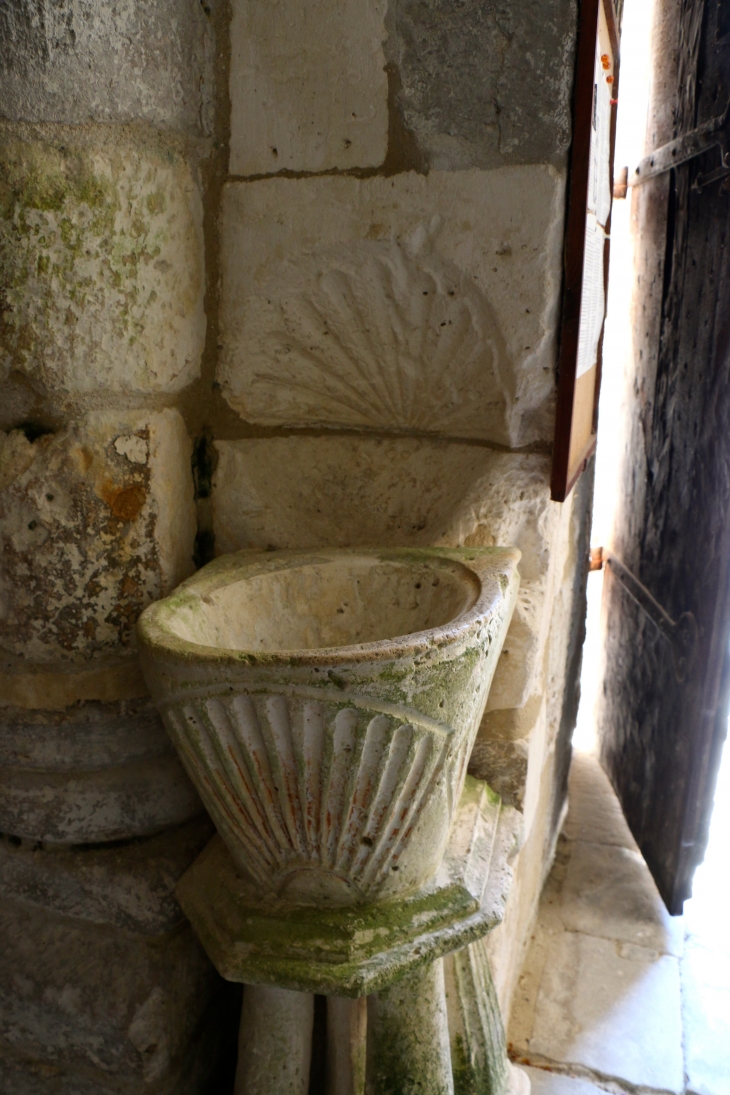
<point>661,736</point>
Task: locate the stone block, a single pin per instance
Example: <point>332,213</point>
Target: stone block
<point>308,85</point>
<point>706,1015</point>
<point>59,685</point>
<point>129,886</point>
<point>101,265</point>
<point>512,724</point>
<point>543,624</point>
<point>485,86</point>
<point>92,772</point>
<point>520,665</point>
<point>406,303</point>
<point>513,767</point>
<point>85,735</point>
<point>609,1007</point>
<point>205,1065</point>
<point>100,804</point>
<point>302,492</point>
<point>90,1008</point>
<point>594,814</point>
<point>545,1082</point>
<point>83,62</point>
<point>609,892</point>
<point>96,521</point>
<point>503,765</point>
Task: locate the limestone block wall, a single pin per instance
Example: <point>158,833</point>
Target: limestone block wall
<point>106,145</point>
<point>273,274</point>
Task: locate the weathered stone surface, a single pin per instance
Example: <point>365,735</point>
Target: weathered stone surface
<point>83,61</point>
<point>129,886</point>
<point>101,265</point>
<point>87,735</point>
<point>476,1033</point>
<point>611,1007</point>
<point>503,765</point>
<point>485,85</point>
<point>609,892</point>
<point>546,792</point>
<point>408,303</point>
<point>346,1045</point>
<point>706,1015</point>
<point>408,1037</point>
<point>348,686</point>
<point>108,1005</point>
<point>96,522</point>
<point>355,950</point>
<point>514,766</point>
<point>512,724</point>
<point>507,944</point>
<point>275,1042</point>
<point>114,803</point>
<point>308,85</point>
<point>206,1064</point>
<point>350,491</point>
<point>521,666</point>
<point>546,616</point>
<point>553,1083</point>
<point>56,686</point>
<point>594,814</point>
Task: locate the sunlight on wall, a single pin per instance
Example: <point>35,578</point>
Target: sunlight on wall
<point>630,137</point>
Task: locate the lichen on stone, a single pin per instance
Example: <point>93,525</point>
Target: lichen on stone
<point>101,267</point>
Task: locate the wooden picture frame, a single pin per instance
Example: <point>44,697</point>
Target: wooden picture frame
<point>587,242</point>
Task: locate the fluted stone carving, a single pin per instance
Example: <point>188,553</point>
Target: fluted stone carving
<point>332,770</point>
<point>316,798</point>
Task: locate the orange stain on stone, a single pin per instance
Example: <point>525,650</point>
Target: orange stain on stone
<point>124,502</point>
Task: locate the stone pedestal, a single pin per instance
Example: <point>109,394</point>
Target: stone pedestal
<point>408,1036</point>
<point>433,1025</point>
<point>275,1043</point>
<point>346,1044</point>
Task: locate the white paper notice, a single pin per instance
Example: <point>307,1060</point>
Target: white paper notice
<point>593,297</point>
<point>599,170</point>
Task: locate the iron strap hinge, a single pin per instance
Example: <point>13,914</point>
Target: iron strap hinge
<point>686,147</point>
<point>682,633</point>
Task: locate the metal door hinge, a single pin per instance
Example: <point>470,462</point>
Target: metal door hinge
<point>682,634</point>
<point>706,136</point>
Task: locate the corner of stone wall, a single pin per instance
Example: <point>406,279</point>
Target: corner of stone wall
<point>257,292</point>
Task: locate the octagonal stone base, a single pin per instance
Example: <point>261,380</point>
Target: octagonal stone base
<point>356,950</point>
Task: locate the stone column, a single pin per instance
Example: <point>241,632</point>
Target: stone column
<point>346,1045</point>
<point>275,1041</point>
<point>408,1037</point>
<point>107,110</point>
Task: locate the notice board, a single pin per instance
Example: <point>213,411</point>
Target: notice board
<point>587,244</point>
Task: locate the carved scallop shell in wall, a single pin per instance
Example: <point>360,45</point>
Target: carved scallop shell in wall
<point>372,336</point>
<point>318,800</point>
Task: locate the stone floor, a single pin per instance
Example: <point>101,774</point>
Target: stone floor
<point>615,994</point>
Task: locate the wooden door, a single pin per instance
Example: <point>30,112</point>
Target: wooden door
<point>663,707</point>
